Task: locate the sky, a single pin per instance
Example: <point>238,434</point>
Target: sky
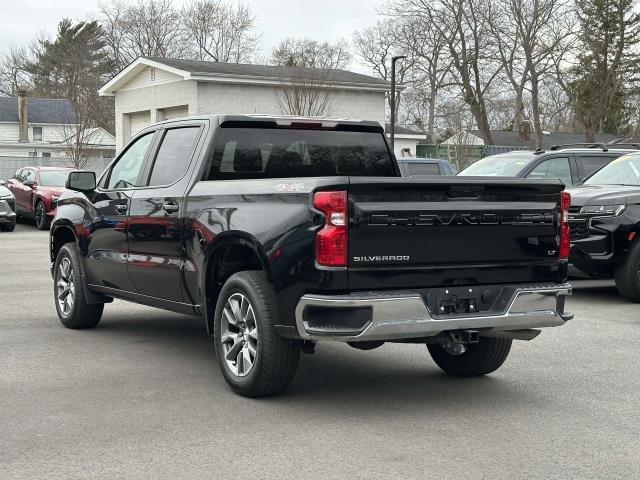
<point>22,20</point>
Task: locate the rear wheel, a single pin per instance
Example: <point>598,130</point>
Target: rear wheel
<point>627,275</point>
<point>8,228</point>
<point>254,359</point>
<point>42,221</point>
<point>471,360</point>
<point>71,304</point>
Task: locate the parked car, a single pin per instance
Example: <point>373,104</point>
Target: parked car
<point>283,232</point>
<point>37,190</point>
<point>570,163</point>
<point>605,225</point>
<point>7,209</point>
<point>413,166</point>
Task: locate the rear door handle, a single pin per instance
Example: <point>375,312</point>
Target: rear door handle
<point>121,208</point>
<point>170,207</point>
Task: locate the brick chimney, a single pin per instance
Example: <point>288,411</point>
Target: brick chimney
<point>524,132</point>
<point>23,130</point>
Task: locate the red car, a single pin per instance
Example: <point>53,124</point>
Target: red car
<point>37,190</point>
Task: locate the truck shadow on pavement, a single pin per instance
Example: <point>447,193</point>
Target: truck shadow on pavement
<point>395,376</point>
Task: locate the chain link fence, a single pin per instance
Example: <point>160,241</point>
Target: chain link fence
<point>9,165</point>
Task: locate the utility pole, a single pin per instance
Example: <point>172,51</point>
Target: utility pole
<point>392,99</point>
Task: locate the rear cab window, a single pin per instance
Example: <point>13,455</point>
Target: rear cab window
<point>254,153</point>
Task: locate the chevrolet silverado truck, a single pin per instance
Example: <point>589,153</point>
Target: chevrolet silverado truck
<point>283,232</point>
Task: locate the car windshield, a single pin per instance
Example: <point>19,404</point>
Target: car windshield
<point>53,178</point>
<point>498,165</point>
<point>622,171</point>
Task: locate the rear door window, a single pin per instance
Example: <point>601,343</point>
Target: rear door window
<point>174,155</point>
<point>553,168</point>
<point>243,153</point>
<point>423,169</point>
<point>588,164</point>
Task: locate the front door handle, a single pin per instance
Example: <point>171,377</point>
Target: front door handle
<point>170,207</point>
<point>121,208</point>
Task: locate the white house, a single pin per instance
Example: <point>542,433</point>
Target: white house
<point>155,89</point>
<point>406,138</point>
<point>43,127</point>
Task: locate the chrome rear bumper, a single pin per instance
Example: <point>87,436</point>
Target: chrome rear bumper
<point>402,315</point>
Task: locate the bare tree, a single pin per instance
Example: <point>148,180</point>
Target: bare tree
<point>527,34</point>
<point>307,69</point>
<point>305,91</point>
<point>13,70</point>
<point>430,66</point>
<point>221,32</point>
<point>463,25</point>
<point>306,53</point>
<point>150,28</point>
<point>376,46</point>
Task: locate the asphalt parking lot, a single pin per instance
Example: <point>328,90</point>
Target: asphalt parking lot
<point>141,397</point>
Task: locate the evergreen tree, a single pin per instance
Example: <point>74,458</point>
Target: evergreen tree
<point>74,66</point>
<point>609,31</point>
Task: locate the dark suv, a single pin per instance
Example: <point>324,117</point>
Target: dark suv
<point>605,225</point>
<point>570,163</point>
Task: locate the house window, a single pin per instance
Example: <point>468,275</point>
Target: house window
<point>37,134</point>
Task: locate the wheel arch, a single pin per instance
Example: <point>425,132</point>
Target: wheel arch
<point>61,233</point>
<point>231,253</point>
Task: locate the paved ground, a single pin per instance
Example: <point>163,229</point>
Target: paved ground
<point>141,397</point>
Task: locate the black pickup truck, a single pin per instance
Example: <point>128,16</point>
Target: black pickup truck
<point>282,232</point>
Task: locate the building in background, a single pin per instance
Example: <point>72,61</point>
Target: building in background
<point>45,128</point>
<point>406,139</point>
<point>150,90</point>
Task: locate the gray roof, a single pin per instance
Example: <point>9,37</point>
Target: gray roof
<point>512,139</point>
<point>39,110</point>
<point>406,130</point>
<point>197,67</point>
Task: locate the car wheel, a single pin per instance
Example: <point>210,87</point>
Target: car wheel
<point>42,221</point>
<point>71,304</point>
<point>254,359</point>
<point>8,228</point>
<point>472,360</point>
<point>627,275</point>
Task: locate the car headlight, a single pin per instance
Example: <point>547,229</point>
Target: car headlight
<point>603,210</point>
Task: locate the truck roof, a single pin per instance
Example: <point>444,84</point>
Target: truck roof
<point>284,121</point>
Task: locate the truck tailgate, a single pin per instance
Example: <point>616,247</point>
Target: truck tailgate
<point>452,231</point>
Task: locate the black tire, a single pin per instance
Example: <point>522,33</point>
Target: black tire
<point>8,228</point>
<point>480,358</point>
<point>80,314</point>
<point>42,221</point>
<point>627,275</point>
<point>276,358</point>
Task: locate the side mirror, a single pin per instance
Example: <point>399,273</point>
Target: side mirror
<point>2,183</point>
<point>29,183</point>
<point>81,181</point>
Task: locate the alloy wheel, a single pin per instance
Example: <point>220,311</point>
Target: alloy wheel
<point>65,285</point>
<point>239,335</point>
<point>40,214</point>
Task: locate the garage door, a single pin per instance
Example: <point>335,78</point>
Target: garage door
<point>138,121</point>
<point>174,112</point>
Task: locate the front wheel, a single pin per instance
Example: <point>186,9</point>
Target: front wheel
<point>254,359</point>
<point>42,221</point>
<point>71,305</point>
<point>627,275</point>
<point>474,359</point>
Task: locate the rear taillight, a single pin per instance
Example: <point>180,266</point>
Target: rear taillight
<point>332,241</point>
<point>565,232</point>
